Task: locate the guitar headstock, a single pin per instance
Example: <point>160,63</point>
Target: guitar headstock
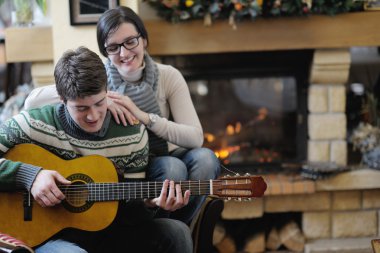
<point>239,187</point>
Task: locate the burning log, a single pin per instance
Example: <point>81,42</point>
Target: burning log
<point>243,239</point>
<point>255,243</point>
<point>219,233</point>
<point>274,240</point>
<point>292,237</point>
<point>226,245</point>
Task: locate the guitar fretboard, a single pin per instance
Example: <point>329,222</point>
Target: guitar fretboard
<point>130,190</point>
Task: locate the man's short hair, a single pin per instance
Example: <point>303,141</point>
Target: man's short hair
<point>79,73</point>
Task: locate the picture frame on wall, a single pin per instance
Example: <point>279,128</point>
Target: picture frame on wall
<point>88,12</point>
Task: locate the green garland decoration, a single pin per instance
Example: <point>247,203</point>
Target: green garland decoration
<point>181,10</point>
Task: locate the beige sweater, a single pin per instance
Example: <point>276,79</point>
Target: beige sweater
<point>174,99</point>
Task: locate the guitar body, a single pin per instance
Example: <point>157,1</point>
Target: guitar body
<point>45,222</point>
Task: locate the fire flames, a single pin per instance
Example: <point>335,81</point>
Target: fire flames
<point>225,149</point>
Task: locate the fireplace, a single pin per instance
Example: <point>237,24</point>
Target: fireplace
<point>252,106</point>
<point>333,210</point>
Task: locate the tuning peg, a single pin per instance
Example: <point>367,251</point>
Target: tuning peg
<point>247,174</point>
<point>237,174</point>
<point>238,199</point>
<point>229,198</point>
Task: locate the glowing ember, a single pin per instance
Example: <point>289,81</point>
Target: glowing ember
<point>230,130</point>
<point>209,137</point>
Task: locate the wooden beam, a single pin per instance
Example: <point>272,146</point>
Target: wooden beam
<point>314,32</point>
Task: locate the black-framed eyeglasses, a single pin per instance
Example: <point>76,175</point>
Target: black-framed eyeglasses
<point>129,44</point>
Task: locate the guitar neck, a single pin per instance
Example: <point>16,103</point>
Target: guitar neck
<point>130,190</point>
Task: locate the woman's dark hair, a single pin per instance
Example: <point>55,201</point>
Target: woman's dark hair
<point>110,21</point>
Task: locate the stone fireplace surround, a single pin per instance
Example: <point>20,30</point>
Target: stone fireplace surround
<point>342,207</point>
<point>338,214</point>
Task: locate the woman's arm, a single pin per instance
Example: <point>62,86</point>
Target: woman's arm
<point>48,95</point>
<point>45,95</point>
<point>174,99</point>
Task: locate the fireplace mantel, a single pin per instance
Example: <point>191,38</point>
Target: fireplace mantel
<point>314,32</point>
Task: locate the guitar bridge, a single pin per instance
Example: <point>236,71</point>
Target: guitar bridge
<point>27,204</point>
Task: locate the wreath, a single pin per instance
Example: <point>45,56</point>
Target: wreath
<point>181,10</point>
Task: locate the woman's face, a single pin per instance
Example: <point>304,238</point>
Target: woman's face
<point>127,61</point>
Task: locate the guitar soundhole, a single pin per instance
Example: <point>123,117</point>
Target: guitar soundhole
<point>77,193</point>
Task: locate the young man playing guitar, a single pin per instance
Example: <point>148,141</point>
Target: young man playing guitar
<point>82,126</point>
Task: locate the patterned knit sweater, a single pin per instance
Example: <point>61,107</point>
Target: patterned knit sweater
<point>52,128</point>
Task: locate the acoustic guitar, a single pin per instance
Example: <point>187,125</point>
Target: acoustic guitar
<point>91,200</point>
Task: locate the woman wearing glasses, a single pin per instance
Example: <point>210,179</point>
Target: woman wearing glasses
<point>149,92</point>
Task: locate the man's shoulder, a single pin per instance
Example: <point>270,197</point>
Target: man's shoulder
<point>119,130</point>
<point>37,118</point>
<point>44,114</point>
<point>40,96</point>
<point>47,110</point>
<point>128,129</point>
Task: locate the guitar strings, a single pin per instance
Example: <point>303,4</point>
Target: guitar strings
<point>139,190</point>
<point>142,185</point>
<point>134,187</point>
<point>160,183</point>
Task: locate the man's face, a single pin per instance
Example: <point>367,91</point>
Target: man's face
<point>89,112</point>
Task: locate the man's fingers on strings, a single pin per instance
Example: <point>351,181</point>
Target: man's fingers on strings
<point>187,197</point>
<point>179,193</point>
<point>164,188</point>
<point>58,194</point>
<point>170,201</point>
<point>45,201</point>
